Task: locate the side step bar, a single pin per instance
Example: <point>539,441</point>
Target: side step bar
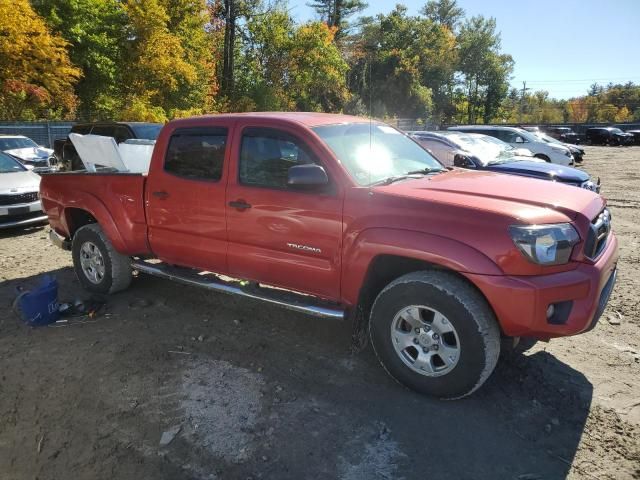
<point>284,298</point>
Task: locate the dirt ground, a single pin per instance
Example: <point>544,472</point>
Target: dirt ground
<point>245,390</point>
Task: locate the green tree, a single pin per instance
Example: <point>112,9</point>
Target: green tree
<point>443,12</point>
<point>36,74</point>
<point>97,34</point>
<point>396,58</point>
<point>287,67</point>
<point>335,13</point>
<point>486,71</point>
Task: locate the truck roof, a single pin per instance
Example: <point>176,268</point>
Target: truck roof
<point>310,119</point>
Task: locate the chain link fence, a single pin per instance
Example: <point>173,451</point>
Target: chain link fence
<point>43,133</point>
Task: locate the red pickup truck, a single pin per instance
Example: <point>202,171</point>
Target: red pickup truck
<point>343,217</point>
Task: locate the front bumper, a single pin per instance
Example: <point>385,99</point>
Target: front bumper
<point>521,303</point>
<point>21,215</point>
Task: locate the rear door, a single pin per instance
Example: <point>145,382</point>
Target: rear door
<point>280,235</point>
<point>186,198</point>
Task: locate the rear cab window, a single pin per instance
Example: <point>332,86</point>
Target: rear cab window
<point>197,153</point>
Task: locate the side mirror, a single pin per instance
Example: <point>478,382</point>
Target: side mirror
<point>463,161</point>
<point>306,176</point>
<point>28,167</point>
<point>519,140</point>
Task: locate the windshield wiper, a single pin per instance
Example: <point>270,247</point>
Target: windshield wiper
<point>424,171</point>
<point>411,174</point>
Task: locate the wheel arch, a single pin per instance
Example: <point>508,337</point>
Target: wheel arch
<point>389,263</point>
<point>92,211</point>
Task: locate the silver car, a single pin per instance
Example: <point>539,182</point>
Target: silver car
<point>28,152</point>
<point>19,195</point>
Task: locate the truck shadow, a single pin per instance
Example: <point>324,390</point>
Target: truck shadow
<point>21,231</point>
<point>321,412</point>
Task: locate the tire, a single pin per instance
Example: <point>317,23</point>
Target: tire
<point>542,157</point>
<point>91,246</point>
<point>436,295</point>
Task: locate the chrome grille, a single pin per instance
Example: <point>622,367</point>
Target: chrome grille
<point>598,235</point>
<point>18,198</point>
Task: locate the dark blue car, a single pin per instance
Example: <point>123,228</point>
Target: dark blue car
<point>482,152</point>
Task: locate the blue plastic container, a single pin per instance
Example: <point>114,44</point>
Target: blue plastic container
<point>39,306</point>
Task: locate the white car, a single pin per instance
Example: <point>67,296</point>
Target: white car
<point>19,195</point>
<point>28,152</point>
<point>519,138</point>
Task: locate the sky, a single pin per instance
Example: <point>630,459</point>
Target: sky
<point>562,46</point>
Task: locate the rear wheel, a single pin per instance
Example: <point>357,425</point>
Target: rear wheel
<point>98,266</point>
<point>434,333</point>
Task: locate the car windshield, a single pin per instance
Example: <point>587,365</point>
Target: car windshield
<point>147,131</point>
<point>372,153</point>
<point>489,150</point>
<point>14,143</point>
<point>616,130</point>
<point>549,139</point>
<point>9,165</point>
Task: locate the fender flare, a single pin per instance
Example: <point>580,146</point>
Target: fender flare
<point>445,252</point>
<point>93,205</point>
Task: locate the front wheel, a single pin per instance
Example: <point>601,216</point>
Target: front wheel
<point>434,333</point>
<point>542,157</point>
<point>98,266</point>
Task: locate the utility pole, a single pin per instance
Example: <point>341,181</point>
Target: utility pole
<point>524,90</point>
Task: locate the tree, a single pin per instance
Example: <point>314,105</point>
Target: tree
<point>167,55</point>
<point>285,67</point>
<point>443,12</point>
<point>623,115</point>
<point>336,12</point>
<point>36,74</point>
<point>388,66</point>
<point>97,34</point>
<point>485,70</point>
<point>577,109</point>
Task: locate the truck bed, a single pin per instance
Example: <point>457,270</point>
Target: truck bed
<point>114,199</point>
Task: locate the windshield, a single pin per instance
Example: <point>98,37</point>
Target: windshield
<point>374,152</point>
<point>13,143</point>
<point>616,130</point>
<point>8,164</point>
<point>549,139</point>
<point>149,131</point>
<point>489,150</point>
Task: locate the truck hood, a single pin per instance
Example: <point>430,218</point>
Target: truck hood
<point>525,200</point>
<point>30,153</point>
<point>544,170</point>
<point>19,182</point>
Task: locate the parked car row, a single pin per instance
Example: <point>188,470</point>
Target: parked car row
<point>482,152</point>
<point>517,137</point>
<point>343,217</point>
<point>593,135</point>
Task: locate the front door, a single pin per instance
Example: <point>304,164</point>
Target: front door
<point>281,235</point>
<point>186,199</point>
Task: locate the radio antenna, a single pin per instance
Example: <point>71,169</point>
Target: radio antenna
<point>370,120</point>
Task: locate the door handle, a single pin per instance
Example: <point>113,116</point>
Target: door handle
<point>161,195</point>
<point>239,204</point>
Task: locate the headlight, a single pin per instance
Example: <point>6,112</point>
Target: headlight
<point>545,244</point>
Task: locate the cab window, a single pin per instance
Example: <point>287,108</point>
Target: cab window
<point>197,153</point>
<point>267,154</point>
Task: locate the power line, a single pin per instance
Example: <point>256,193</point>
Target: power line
<point>584,80</point>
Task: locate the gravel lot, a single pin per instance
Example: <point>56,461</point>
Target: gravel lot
<point>243,390</point>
